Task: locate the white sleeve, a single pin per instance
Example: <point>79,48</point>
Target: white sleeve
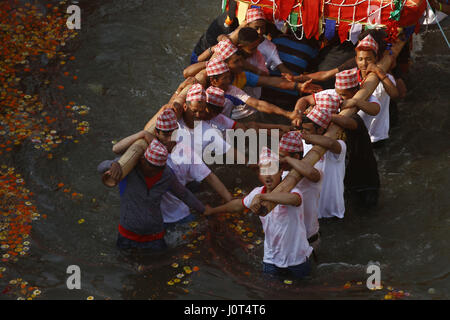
<point>341,156</point>
<point>247,201</point>
<point>223,122</point>
<point>270,52</point>
<point>391,77</point>
<point>372,98</point>
<point>238,93</point>
<point>198,172</point>
<point>296,190</point>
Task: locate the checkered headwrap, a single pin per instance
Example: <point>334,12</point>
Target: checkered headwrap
<point>267,156</point>
<point>254,14</point>
<point>368,43</point>
<point>225,49</point>
<point>196,93</point>
<point>320,116</point>
<point>291,142</point>
<point>347,79</point>
<point>328,101</point>
<point>167,120</point>
<point>156,153</point>
<point>215,96</point>
<point>216,67</point>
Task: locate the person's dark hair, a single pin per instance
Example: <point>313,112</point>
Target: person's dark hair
<point>247,36</point>
<point>239,53</point>
<point>292,154</point>
<point>305,119</point>
<point>378,35</point>
<point>214,108</point>
<point>158,130</point>
<point>272,30</point>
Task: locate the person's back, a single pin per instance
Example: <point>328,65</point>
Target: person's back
<point>361,173</point>
<point>186,168</point>
<point>209,38</point>
<point>298,56</point>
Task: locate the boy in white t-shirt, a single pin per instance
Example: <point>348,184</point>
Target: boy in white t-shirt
<point>291,153</point>
<point>332,164</point>
<point>286,248</point>
<point>366,58</point>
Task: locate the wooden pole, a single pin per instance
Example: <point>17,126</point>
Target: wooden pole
<point>334,131</point>
<point>131,157</point>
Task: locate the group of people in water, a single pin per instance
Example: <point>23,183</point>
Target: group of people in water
<point>255,76</point>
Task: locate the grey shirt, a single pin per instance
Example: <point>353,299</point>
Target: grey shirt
<point>140,210</point>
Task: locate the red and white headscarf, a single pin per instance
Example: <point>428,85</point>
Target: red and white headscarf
<point>225,49</point>
<point>254,14</point>
<point>368,43</point>
<point>347,79</point>
<point>215,67</point>
<point>167,120</point>
<point>156,153</point>
<point>320,116</point>
<point>329,101</point>
<point>291,142</point>
<point>196,93</point>
<point>267,156</point>
<point>215,96</point>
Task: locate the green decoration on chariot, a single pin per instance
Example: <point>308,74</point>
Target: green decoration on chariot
<point>224,5</point>
<point>293,20</point>
<point>396,13</point>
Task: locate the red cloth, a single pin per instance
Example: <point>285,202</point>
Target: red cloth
<point>140,238</point>
<point>343,29</point>
<point>310,17</point>
<point>284,8</point>
<point>150,181</point>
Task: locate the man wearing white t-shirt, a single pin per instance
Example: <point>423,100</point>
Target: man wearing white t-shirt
<point>286,247</point>
<point>332,164</point>
<point>175,211</point>
<point>291,153</point>
<point>366,59</point>
<point>193,125</point>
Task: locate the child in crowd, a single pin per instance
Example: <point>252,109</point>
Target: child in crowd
<point>286,248</point>
<point>332,164</point>
<point>366,57</point>
<point>291,152</point>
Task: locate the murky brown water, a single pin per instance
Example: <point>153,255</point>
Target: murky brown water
<point>130,59</point>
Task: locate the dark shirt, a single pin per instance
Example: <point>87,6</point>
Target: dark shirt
<point>140,210</point>
<point>361,172</point>
<point>215,29</point>
<point>298,56</point>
